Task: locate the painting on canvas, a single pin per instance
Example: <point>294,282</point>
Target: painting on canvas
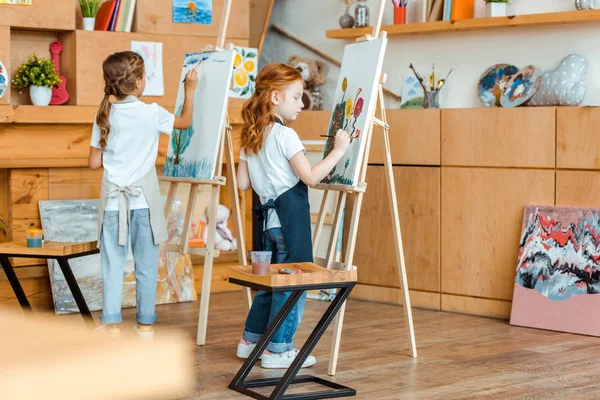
<point>21,2</point>
<point>354,105</point>
<point>244,72</point>
<point>152,53</point>
<point>77,221</point>
<point>192,11</point>
<point>557,285</point>
<point>193,152</point>
<point>413,95</point>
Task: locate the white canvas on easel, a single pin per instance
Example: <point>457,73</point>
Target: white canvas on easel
<point>193,152</point>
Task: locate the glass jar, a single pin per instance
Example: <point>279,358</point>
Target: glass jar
<point>361,14</point>
<point>317,97</point>
<point>34,238</point>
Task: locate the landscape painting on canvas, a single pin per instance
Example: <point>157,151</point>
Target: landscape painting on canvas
<point>77,221</point>
<point>193,152</point>
<point>192,11</point>
<point>557,285</point>
<point>354,104</point>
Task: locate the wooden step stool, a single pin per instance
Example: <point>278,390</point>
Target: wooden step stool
<point>313,277</point>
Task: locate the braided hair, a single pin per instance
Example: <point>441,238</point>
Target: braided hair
<point>121,72</point>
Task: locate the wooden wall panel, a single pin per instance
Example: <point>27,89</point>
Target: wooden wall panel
<point>414,138</point>
<point>389,295</point>
<point>155,16</point>
<point>22,144</point>
<point>418,194</point>
<point>92,48</point>
<point>310,125</point>
<point>499,137</point>
<point>42,14</point>
<point>578,188</point>
<point>5,57</point>
<point>577,139</point>
<point>482,213</point>
<point>476,306</point>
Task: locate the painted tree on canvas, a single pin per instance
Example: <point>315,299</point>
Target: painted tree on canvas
<point>180,140</point>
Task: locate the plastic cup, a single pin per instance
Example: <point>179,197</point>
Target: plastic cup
<point>34,238</point>
<point>261,262</point>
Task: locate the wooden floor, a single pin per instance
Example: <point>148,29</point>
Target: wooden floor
<point>460,357</point>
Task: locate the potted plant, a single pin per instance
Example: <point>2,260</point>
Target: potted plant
<point>89,9</point>
<point>495,8</point>
<point>39,76</point>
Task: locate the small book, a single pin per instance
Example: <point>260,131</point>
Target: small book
<point>104,15</point>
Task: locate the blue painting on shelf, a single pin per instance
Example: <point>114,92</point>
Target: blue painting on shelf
<point>192,11</point>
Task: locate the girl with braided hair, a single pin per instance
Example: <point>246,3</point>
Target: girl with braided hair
<point>125,142</point>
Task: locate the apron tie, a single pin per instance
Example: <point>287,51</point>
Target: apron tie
<point>123,194</point>
<point>263,213</point>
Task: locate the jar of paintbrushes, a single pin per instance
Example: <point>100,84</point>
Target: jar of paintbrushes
<point>431,86</point>
<point>400,11</point>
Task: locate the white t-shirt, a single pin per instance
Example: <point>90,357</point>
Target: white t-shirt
<point>270,170</point>
<point>132,145</point>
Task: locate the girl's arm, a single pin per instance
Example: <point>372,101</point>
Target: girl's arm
<point>243,177</point>
<point>185,120</point>
<point>311,176</point>
<point>95,158</point>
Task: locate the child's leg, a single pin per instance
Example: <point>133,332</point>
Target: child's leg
<point>258,317</point>
<point>112,258</point>
<point>145,254</point>
<point>284,337</point>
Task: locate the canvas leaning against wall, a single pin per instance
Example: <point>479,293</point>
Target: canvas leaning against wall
<point>77,221</point>
<point>193,152</point>
<point>355,99</point>
<point>557,285</point>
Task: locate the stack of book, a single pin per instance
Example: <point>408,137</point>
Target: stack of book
<point>115,15</point>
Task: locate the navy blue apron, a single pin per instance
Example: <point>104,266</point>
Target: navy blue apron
<point>293,210</point>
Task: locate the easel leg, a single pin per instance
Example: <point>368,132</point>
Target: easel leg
<point>232,188</point>
<point>320,222</point>
<point>187,220</point>
<point>208,264</point>
<point>339,321</point>
<point>335,229</point>
<point>389,177</point>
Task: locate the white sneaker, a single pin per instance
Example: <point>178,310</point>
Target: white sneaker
<point>145,332</point>
<point>244,350</point>
<point>284,360</point>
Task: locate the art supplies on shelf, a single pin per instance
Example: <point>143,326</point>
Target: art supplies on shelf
<point>431,86</point>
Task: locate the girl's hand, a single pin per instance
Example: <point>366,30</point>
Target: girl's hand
<point>191,80</point>
<point>342,141</point>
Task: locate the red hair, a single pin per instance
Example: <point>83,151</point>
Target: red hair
<point>258,112</point>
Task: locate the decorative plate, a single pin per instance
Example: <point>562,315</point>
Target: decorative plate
<point>521,87</point>
<point>492,81</point>
<point>4,82</point>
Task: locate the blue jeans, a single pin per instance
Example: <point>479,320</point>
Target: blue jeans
<point>113,257</point>
<point>266,305</point>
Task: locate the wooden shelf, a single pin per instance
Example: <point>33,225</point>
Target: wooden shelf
<point>557,18</point>
<point>78,114</point>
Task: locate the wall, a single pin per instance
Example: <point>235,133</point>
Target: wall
<point>473,51</point>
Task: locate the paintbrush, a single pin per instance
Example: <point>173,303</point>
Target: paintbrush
<point>195,67</point>
<point>418,76</point>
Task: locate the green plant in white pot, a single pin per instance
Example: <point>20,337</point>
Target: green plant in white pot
<point>39,76</point>
<point>495,8</point>
<point>89,9</point>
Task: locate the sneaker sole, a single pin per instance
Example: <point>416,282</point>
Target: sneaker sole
<point>268,365</point>
<point>244,354</point>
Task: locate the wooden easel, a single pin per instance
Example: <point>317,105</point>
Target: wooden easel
<point>358,191</point>
<point>209,252</point>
